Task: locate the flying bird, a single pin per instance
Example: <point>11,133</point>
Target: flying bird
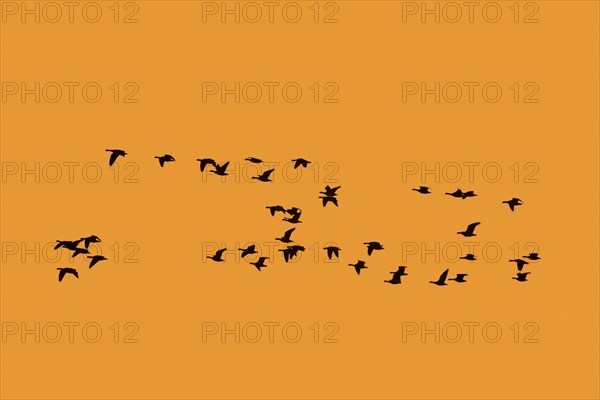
<point>469,257</point>
<point>512,203</point>
<point>286,236</point>
<point>95,259</point>
<point>248,250</point>
<point>470,230</point>
<point>332,251</point>
<point>397,275</point>
<point>275,209</point>
<point>90,239</point>
<point>520,263</point>
<point>301,162</point>
<point>166,158</point>
<point>220,169</point>
<point>422,190</point>
<point>293,210</point>
<point>533,256</point>
<point>358,266</point>
<point>327,199</point>
<point>468,194</point>
<point>521,276</point>
<point>217,257</point>
<point>115,154</point>
<point>291,252</point>
<point>79,250</point>
<point>329,191</point>
<point>64,271</point>
<point>71,245</point>
<point>254,160</point>
<point>372,246</point>
<point>442,279</point>
<point>459,278</point>
<point>295,219</point>
<point>457,193</point>
<point>206,161</point>
<point>260,263</point>
<point>264,177</point>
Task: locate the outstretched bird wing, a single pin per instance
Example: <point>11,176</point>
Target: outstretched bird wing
<point>113,158</point>
<point>471,227</point>
<point>443,276</point>
<point>220,252</point>
<point>61,275</point>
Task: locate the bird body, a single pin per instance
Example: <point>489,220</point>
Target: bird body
<point>264,177</point>
<point>295,219</point>
<point>96,259</point>
<point>372,246</point>
<point>423,190</point>
<point>329,191</point>
<point>327,199</point>
<point>459,278</point>
<point>470,231</point>
<point>358,266</point>
<point>332,251</point>
<point>206,161</point>
<point>163,159</point>
<point>286,238</point>
<point>248,250</point>
<point>397,275</point>
<point>300,162</point>
<point>90,239</point>
<point>115,153</point>
<point>220,169</point>
<point>218,255</point>
<point>254,160</point>
<point>520,263</point>
<point>521,276</point>
<point>512,203</point>
<point>260,263</point>
<point>469,257</point>
<point>442,279</point>
<point>64,271</point>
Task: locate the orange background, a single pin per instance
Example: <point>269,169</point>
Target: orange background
<point>170,214</point>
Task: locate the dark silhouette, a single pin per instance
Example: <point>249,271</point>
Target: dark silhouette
<point>274,209</point>
<point>291,252</point>
<point>327,199</point>
<point>459,278</point>
<point>166,158</point>
<point>533,256</point>
<point>217,257</point>
<point>442,279</point>
<point>396,276</point>
<point>220,169</point>
<point>64,271</point>
<point>469,257</point>
<point>329,191</point>
<point>332,251</point>
<point>422,190</point>
<point>248,250</point>
<point>254,160</point>
<point>90,239</point>
<point>206,161</point>
<point>264,177</point>
<point>295,219</point>
<point>470,230</point>
<point>95,259</point>
<point>457,193</point>
<point>115,154</point>
<point>293,210</point>
<point>372,246</point>
<point>520,263</point>
<point>260,263</point>
<point>301,162</point>
<point>286,236</point>
<point>79,250</point>
<point>67,244</point>
<point>468,194</point>
<point>358,266</point>
<point>512,203</point>
<point>521,276</point>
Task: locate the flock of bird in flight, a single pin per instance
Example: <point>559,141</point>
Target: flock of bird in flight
<point>292,215</point>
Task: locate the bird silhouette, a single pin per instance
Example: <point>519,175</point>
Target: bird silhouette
<point>220,169</point>
<point>291,252</point>
<point>64,271</point>
<point>533,256</point>
<point>286,236</point>
<point>468,194</point>
<point>397,275</point>
<point>512,203</point>
<point>206,161</point>
<point>521,276</point>
<point>457,193</point>
<point>327,199</point>
<point>79,250</point>
<point>470,231</point>
<point>166,158</point>
<point>459,278</point>
<point>264,177</point>
<point>217,257</point>
<point>275,209</point>
<point>260,263</point>
<point>115,153</point>
<point>422,190</point>
<point>469,257</point>
<point>358,266</point>
<point>95,259</point>
<point>248,250</point>
<point>254,160</point>
<point>295,219</point>
<point>71,245</point>
<point>301,162</point>
<point>332,251</point>
<point>293,210</point>
<point>442,279</point>
<point>329,191</point>
<point>372,246</point>
<point>520,263</point>
<point>90,239</point>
